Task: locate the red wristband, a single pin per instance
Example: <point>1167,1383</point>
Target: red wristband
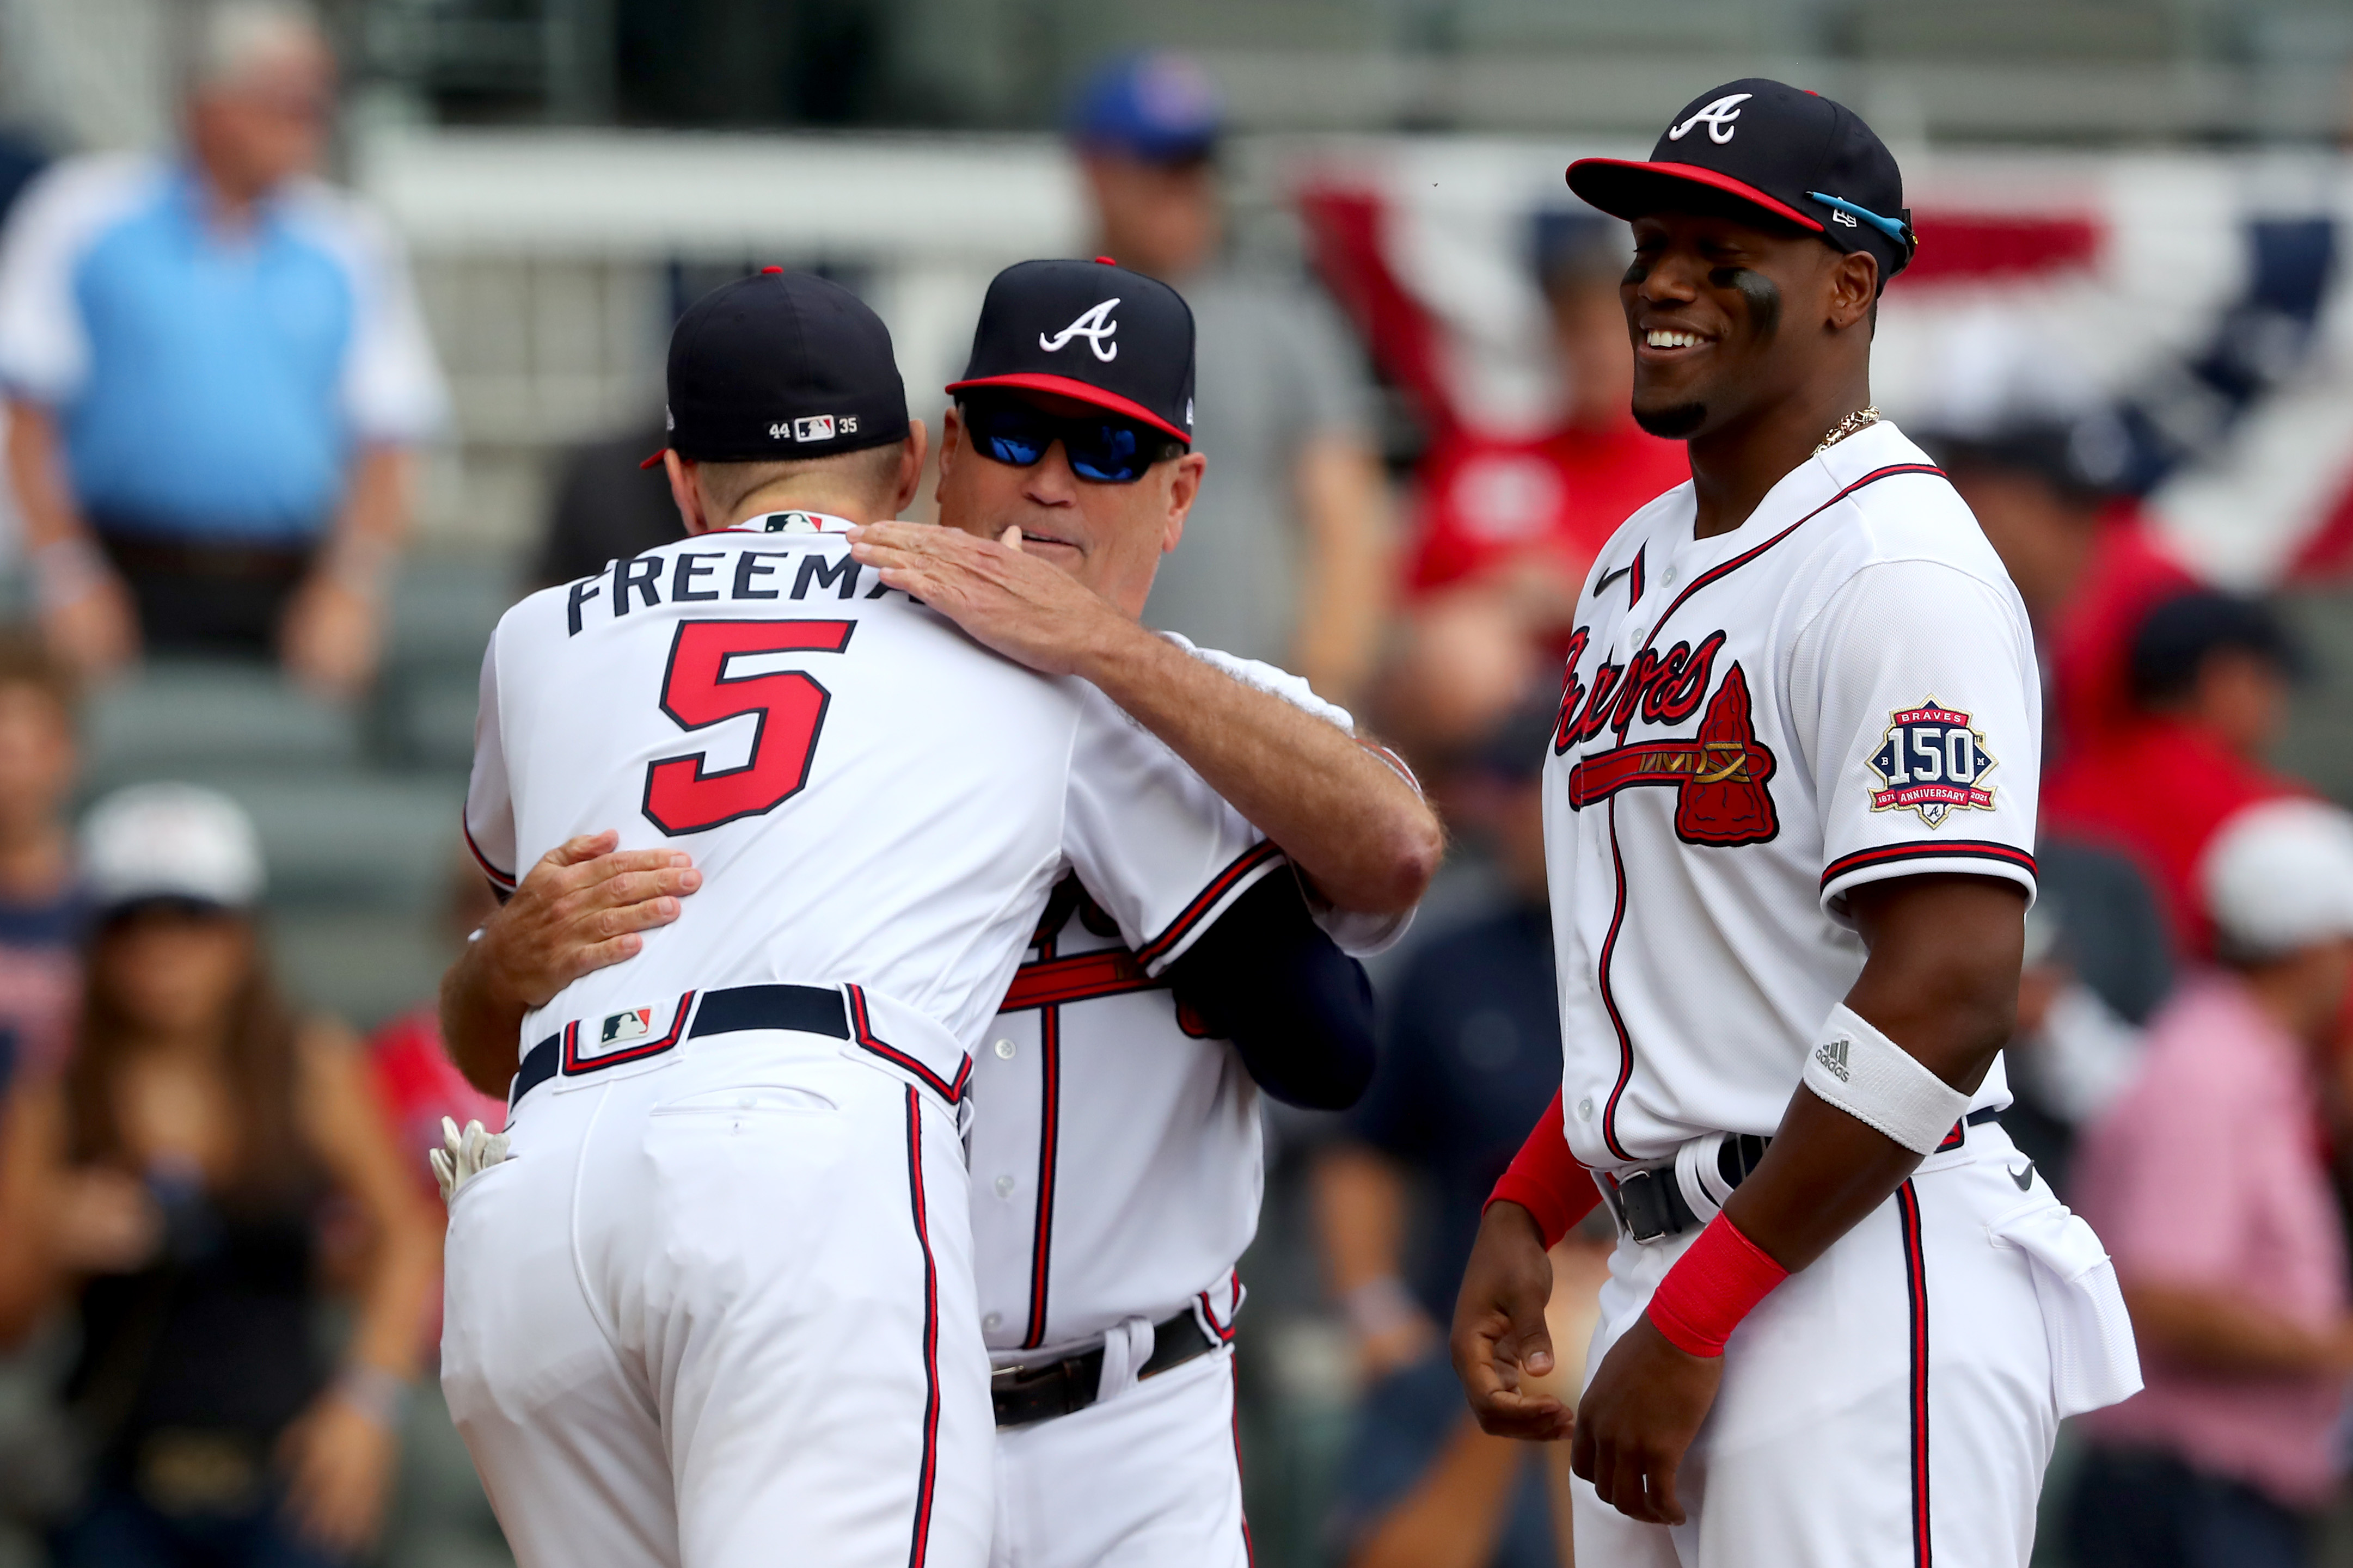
<point>1714,1284</point>
<point>1546,1179</point>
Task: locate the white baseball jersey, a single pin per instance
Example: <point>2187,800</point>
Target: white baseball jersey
<point>651,1304</point>
<point>872,799</point>
<point>1116,1145</point>
<point>1841,689</point>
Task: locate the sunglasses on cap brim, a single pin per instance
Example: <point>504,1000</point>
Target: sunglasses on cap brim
<point>1102,448</point>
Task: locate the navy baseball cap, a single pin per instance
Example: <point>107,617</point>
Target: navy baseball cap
<point>1091,331</point>
<point>1161,108</point>
<point>781,365</point>
<point>1793,154</point>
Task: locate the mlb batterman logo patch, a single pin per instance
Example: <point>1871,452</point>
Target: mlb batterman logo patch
<point>1932,763</point>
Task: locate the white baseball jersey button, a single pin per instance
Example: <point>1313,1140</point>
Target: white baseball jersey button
<point>1584,1109</point>
<point>1004,1186</point>
<point>1005,1050</point>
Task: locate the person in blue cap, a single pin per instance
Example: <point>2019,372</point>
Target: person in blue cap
<point>1284,558</point>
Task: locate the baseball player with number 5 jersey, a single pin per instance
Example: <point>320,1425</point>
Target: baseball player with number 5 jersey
<point>1789,820</point>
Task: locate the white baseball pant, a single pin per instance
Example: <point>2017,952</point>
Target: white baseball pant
<point>1892,1404</point>
<point>716,1311</point>
<point>1146,1478</point>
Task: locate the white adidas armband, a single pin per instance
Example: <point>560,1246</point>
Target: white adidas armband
<point>1880,1084</point>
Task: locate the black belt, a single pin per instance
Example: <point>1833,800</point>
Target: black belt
<point>1027,1393</point>
<point>1650,1203</point>
<point>810,1009</point>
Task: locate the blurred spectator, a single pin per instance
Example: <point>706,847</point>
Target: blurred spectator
<point>199,1130</point>
<point>1471,1060</point>
<point>608,507</point>
<point>2086,563</point>
<point>1285,553</point>
<point>216,375</point>
<point>44,907</point>
<point>2068,1058</point>
<point>2210,678</point>
<point>2209,1182</point>
<point>1508,529</point>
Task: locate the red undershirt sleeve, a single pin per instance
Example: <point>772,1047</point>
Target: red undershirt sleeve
<point>1546,1179</point>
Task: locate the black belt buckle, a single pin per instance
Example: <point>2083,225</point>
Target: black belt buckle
<point>1644,1205</point>
<point>1022,1394</point>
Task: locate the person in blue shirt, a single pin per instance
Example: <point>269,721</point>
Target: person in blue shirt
<point>215,376</point>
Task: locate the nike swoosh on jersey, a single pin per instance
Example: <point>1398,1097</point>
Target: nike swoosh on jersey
<point>2024,1180</point>
<point>1608,577</point>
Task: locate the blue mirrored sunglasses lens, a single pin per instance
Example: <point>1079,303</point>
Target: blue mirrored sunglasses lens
<point>1107,453</point>
<point>1021,451</point>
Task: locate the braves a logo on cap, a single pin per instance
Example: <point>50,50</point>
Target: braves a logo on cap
<point>1717,117</point>
<point>1932,763</point>
<point>1095,325</point>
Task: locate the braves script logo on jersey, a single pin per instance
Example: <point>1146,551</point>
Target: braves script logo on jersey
<point>1717,117</point>
<point>1932,763</point>
<point>1719,774</point>
<point>1096,326</point>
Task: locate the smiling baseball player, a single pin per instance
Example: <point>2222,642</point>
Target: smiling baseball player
<point>1789,816</point>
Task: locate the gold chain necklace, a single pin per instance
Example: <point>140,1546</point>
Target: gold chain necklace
<point>1862,418</point>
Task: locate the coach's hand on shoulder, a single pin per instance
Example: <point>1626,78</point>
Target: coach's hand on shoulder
<point>1023,605</point>
<point>1639,1413</point>
<point>1500,1336</point>
<point>580,909</point>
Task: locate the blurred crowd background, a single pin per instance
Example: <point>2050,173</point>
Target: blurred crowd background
<point>325,334</point>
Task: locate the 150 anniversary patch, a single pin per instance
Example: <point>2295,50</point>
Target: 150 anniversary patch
<point>1932,763</point>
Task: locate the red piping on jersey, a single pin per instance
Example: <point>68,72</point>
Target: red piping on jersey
<point>1081,977</point>
<point>1916,1283</point>
<point>574,1066</point>
<point>1049,1137</point>
<point>1224,1332</point>
<point>864,1034</point>
<point>1930,850</point>
<point>1249,1548</point>
<point>503,879</point>
<point>927,1472</point>
<point>1746,556</point>
<point>1224,882</point>
<point>1625,1041</point>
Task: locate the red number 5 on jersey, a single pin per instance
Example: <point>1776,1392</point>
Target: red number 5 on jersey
<point>697,691</point>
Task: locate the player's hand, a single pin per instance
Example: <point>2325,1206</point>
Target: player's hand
<point>1639,1413</point>
<point>580,909</point>
<point>1499,1335</point>
<point>330,638</point>
<point>1027,608</point>
<point>339,1465</point>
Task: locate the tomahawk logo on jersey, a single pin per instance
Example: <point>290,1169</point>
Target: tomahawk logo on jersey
<point>1761,721</point>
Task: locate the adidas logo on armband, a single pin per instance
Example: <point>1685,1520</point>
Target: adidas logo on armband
<point>1831,1054</point>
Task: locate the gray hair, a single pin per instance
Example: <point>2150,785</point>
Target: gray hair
<point>226,39</point>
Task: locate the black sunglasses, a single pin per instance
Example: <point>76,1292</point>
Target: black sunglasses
<point>1103,448</point>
